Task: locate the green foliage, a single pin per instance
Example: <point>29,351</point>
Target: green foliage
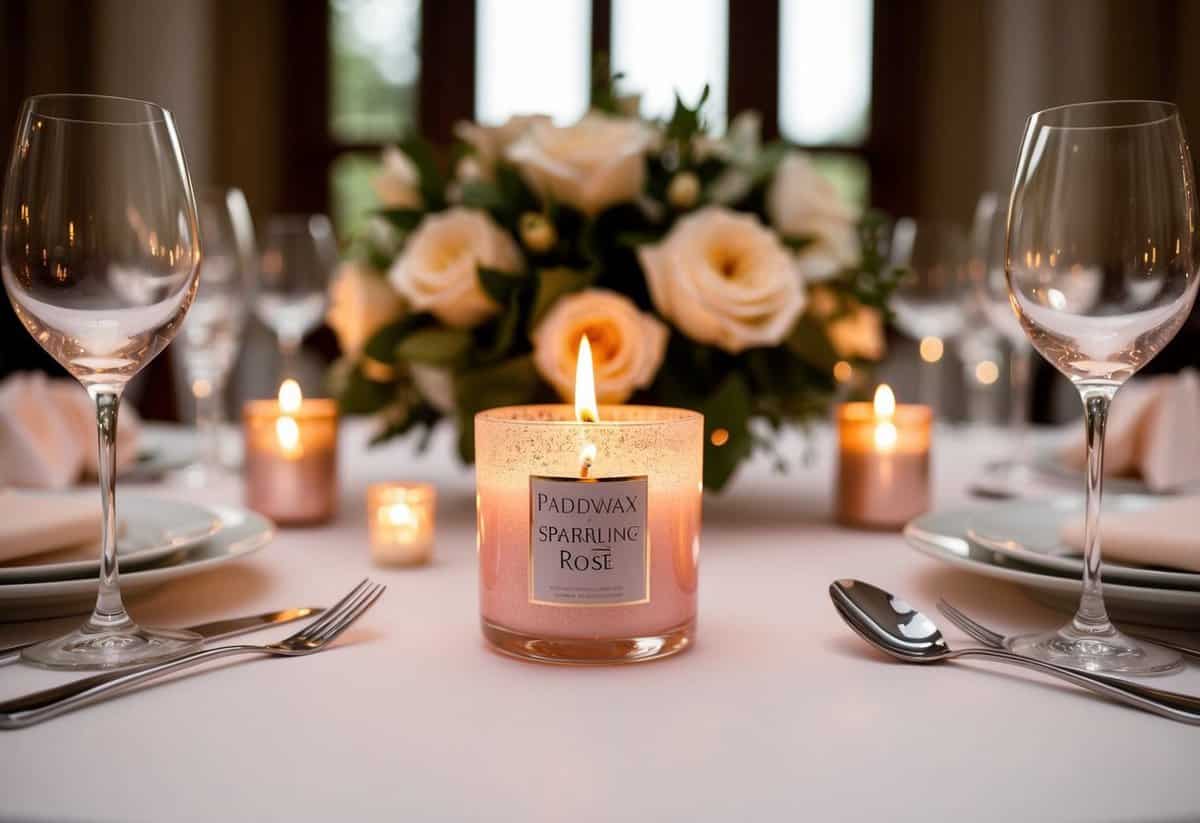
<point>512,382</point>
<point>434,346</point>
<point>748,395</point>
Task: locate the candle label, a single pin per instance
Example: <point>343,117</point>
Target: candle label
<point>588,544</point>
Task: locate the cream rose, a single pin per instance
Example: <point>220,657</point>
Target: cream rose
<point>627,344</point>
<point>596,163</point>
<point>397,184</point>
<point>801,202</point>
<point>438,269</point>
<point>724,278</point>
<point>491,142</point>
<point>360,303</point>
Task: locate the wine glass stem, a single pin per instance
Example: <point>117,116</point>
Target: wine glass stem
<point>1092,617</point>
<point>110,611</point>
<point>208,424</point>
<point>1019,372</point>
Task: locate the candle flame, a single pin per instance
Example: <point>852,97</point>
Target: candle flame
<point>885,401</point>
<point>290,396</point>
<point>885,409</point>
<point>287,431</point>
<point>585,385</point>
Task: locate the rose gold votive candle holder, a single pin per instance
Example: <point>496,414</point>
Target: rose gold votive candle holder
<point>883,462</point>
<point>291,457</point>
<point>588,531</point>
<point>400,519</point>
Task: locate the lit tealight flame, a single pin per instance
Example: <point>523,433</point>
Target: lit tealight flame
<point>287,430</point>
<point>885,410</point>
<point>290,396</point>
<point>585,385</point>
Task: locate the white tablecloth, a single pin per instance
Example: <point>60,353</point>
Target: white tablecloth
<point>777,713</point>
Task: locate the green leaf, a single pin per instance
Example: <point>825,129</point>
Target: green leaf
<point>360,395</point>
<point>405,220</point>
<point>435,346</point>
<point>728,408</point>
<point>381,346</point>
<point>433,183</point>
<point>797,243</point>
<point>809,342</point>
<point>501,285</point>
<point>685,123</point>
<point>553,284</point>
<point>482,194</point>
<point>512,382</point>
<point>505,331</point>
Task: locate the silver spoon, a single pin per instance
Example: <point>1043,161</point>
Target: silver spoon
<point>896,628</point>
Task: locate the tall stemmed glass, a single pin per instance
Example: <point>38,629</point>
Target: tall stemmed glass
<point>1101,264</point>
<point>299,254</point>
<point>208,344</point>
<point>928,302</point>
<point>990,286</point>
<point>99,253</point>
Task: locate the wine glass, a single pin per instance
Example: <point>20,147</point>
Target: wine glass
<point>989,287</point>
<point>1101,264</point>
<point>99,251</point>
<point>928,301</point>
<point>299,254</point>
<point>208,343</point>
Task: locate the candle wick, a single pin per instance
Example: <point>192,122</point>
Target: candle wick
<point>585,468</point>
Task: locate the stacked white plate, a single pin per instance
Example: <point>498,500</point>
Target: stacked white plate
<point>1018,541</point>
<point>161,540</point>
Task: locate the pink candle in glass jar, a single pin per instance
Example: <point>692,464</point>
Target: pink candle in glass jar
<point>588,531</point>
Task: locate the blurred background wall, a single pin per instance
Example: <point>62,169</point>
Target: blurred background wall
<point>915,106</point>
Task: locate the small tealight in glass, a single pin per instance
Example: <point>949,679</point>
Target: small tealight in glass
<point>400,518</point>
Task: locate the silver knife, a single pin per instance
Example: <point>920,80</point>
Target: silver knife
<point>216,630</point>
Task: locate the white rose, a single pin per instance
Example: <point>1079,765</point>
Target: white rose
<point>627,344</point>
<point>360,303</point>
<point>596,163</point>
<point>725,279</point>
<point>438,270</point>
<point>397,184</point>
<point>491,142</point>
<point>802,202</point>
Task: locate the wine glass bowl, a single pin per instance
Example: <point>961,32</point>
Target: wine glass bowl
<point>99,249</point>
<point>1101,269</point>
<point>299,254</point>
<point>68,255</point>
<point>208,343</point>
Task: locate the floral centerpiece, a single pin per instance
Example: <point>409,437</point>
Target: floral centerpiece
<point>714,274</point>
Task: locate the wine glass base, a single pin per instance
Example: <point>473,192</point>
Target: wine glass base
<point>1110,653</point>
<point>89,649</point>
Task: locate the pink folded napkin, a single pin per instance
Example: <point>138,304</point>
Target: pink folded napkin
<point>1153,433</point>
<point>48,432</point>
<point>1166,535</point>
<point>35,522</point>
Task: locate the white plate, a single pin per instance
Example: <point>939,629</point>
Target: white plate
<point>241,533</point>
<point>153,528</point>
<point>942,535</point>
<point>1027,531</point>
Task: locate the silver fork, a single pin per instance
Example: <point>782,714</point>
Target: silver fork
<point>996,640</point>
<point>43,705</point>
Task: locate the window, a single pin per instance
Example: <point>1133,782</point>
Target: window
<point>673,45</point>
<point>374,62</point>
<point>398,65</point>
<point>532,57</point>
